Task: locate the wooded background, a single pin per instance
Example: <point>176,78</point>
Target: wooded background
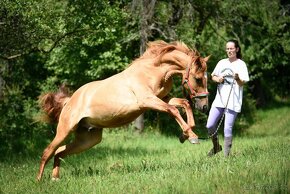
<point>46,43</point>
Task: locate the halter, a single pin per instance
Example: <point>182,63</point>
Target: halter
<point>193,93</point>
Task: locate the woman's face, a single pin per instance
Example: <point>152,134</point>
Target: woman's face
<point>231,50</point>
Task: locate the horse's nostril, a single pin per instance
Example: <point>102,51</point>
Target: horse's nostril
<point>204,108</point>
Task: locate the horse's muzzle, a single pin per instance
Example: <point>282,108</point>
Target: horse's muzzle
<point>201,105</point>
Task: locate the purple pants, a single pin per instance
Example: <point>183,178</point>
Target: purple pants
<point>214,116</point>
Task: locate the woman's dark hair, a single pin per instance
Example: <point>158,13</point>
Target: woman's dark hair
<point>239,53</point>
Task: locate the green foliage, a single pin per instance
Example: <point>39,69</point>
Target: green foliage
<point>18,129</point>
<point>264,34</point>
<point>94,50</point>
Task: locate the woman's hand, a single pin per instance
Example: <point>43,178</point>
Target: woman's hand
<point>236,76</point>
<point>218,79</point>
<point>238,80</point>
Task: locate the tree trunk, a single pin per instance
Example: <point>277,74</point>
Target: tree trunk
<point>146,14</point>
<point>2,81</point>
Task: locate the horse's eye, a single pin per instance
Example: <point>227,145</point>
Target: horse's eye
<point>198,80</point>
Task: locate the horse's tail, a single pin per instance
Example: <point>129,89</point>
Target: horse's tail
<point>52,103</point>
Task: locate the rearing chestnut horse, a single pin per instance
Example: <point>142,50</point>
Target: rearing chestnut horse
<point>120,99</point>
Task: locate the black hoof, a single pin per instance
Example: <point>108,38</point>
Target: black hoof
<point>182,138</point>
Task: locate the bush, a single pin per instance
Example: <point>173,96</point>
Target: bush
<point>19,132</point>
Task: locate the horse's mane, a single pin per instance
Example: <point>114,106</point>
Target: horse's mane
<point>157,49</point>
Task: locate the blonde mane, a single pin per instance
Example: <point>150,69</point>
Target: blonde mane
<point>157,49</point>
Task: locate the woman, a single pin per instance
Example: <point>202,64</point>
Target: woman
<point>230,74</point>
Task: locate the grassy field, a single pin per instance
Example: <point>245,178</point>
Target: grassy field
<point>151,163</point>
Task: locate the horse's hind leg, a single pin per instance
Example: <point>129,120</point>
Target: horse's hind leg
<point>84,139</point>
<point>62,133</point>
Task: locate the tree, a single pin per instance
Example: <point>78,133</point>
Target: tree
<point>45,43</point>
<point>262,28</point>
<point>145,11</point>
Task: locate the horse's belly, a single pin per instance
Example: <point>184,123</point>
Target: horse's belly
<point>107,119</point>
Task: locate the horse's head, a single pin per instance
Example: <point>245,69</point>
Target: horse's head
<point>195,82</point>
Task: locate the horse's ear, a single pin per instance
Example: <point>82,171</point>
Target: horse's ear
<point>207,58</point>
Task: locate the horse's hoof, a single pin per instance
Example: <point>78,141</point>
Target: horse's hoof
<point>193,140</point>
<point>55,179</point>
<point>182,138</point>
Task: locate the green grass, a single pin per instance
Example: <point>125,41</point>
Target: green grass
<point>151,163</point>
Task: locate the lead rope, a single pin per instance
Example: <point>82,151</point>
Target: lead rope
<point>223,116</point>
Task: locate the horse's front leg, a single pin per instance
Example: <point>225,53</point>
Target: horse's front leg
<point>155,103</point>
<point>183,103</point>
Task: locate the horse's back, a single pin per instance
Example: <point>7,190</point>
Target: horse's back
<point>105,103</point>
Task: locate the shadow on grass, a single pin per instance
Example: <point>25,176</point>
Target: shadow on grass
<point>100,152</point>
<point>125,160</point>
<point>276,104</point>
<point>103,152</point>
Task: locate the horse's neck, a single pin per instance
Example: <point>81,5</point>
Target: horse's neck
<point>175,63</point>
<point>177,60</point>
<point>172,72</point>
